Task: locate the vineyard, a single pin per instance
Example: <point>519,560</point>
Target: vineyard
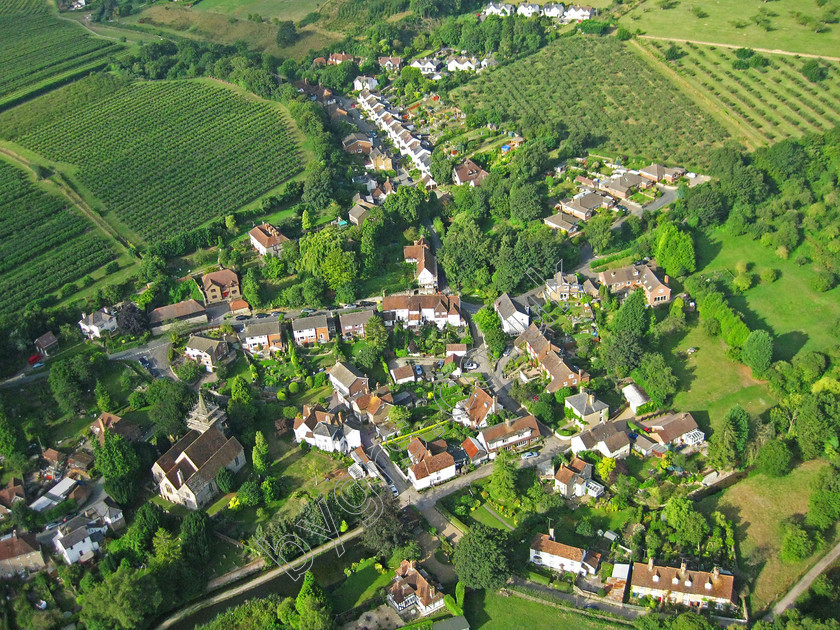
<point>600,88</point>
<point>43,244</point>
<point>36,46</point>
<point>774,101</point>
<point>163,157</point>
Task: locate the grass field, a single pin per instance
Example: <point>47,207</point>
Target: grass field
<point>774,102</point>
<point>36,47</point>
<point>360,586</point>
<point>63,249</point>
<point>282,9</point>
<point>182,153</point>
<point>600,87</point>
<point>491,611</point>
<point>758,506</point>
<point>731,22</point>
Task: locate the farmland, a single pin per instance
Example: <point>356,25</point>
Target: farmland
<point>36,47</point>
<point>162,157</point>
<point>600,88</point>
<point>35,262</point>
<point>772,102</point>
<point>789,25</point>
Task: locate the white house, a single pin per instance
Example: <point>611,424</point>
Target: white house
<point>635,396</point>
<point>416,310</point>
<point>79,539</point>
<point>473,411</point>
<point>554,10</point>
<point>329,432</point>
<point>347,382</point>
<point>462,64</point>
<point>575,480</point>
<point>610,439</point>
<point>547,552</point>
<point>514,316</point>
<point>365,83</point>
<point>509,435</point>
<point>206,351</point>
<point>403,374</point>
<point>267,239</point>
<point>431,464</point>
<point>98,322</point>
<point>529,10</point>
<point>503,10</point>
<point>578,13</point>
<point>263,336</point>
<point>426,65</point>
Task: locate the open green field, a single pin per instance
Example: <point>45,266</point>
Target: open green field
<point>282,9</point>
<point>159,157</point>
<point>36,47</point>
<point>740,23</point>
<point>758,506</point>
<point>44,243</point>
<point>491,611</point>
<point>600,87</point>
<point>774,102</point>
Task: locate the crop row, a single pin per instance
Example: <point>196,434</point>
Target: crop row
<point>22,7</point>
<point>165,157</point>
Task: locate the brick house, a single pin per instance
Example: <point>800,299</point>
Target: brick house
<point>220,286</point>
<point>431,463</point>
<point>509,435</point>
<point>186,312</point>
<point>574,480</point>
<point>117,425</point>
<point>624,280</point>
<point>316,328</point>
<point>20,553</point>
<point>265,336</point>
<point>357,143</point>
<point>352,325</point>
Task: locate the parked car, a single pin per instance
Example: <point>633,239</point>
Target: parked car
<point>241,318</point>
<point>529,455</point>
<point>393,490</point>
<point>40,364</point>
<point>332,307</point>
<point>351,306</point>
<point>262,315</point>
<point>365,303</point>
<point>35,358</point>
<point>507,351</point>
<point>470,365</point>
<point>418,370</point>
<point>276,314</point>
<point>306,311</point>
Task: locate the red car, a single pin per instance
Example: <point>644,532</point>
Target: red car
<point>35,358</point>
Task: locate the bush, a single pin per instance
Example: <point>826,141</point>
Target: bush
<point>310,382</point>
<point>769,276</point>
<point>742,266</point>
<point>281,395</point>
<point>224,479</point>
<point>623,34</point>
<point>294,387</point>
<point>740,64</point>
<point>112,267</point>
<point>189,371</point>
<point>249,494</point>
<point>711,327</point>
<point>742,282</point>
<point>823,281</point>
<point>814,71</point>
<point>797,544</point>
<point>775,459</point>
<point>137,400</point>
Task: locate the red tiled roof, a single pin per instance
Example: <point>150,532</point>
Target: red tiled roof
<point>544,544</point>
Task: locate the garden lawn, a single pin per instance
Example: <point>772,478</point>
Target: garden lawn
<point>758,506</point>
<point>491,611</point>
<point>780,307</point>
<point>360,586</point>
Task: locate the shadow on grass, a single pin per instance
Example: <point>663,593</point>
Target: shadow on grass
<point>474,609</point>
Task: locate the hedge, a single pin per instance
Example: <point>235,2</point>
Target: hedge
<point>449,516</point>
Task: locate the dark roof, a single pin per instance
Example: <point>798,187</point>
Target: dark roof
<point>507,307</point>
<point>313,321</point>
<point>46,340</point>
<point>264,328</point>
<point>18,545</point>
<point>354,319</point>
<point>187,308</point>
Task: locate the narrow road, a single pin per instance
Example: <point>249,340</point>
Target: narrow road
<point>802,585</point>
<point>769,51</point>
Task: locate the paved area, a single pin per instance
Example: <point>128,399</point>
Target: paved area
<point>382,618</point>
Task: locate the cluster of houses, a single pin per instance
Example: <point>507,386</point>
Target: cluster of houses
<point>433,67</point>
<point>552,10</point>
<point>375,193</point>
<point>389,120</point>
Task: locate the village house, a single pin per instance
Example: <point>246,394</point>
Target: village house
<point>379,161</point>
<point>79,463</point>
<point>263,336</point>
<point>267,239</point>
<point>186,473</point>
<point>357,143</point>
<point>421,254</point>
<point>352,325</point>
<point>412,589</point>
<point>681,586</point>
<point>468,173</point>
<point>108,513</point>
<point>358,214</point>
<point>348,383</point>
<point>514,316</point>
<point>456,349</point>
<point>10,494</point>
<point>426,65</point>
<point>554,10</point>
<point>186,312</point>
<point>220,286</point>
<point>659,173</point>
<point>339,58</point>
<point>312,329</point>
<point>98,322</point>
<point>617,582</point>
<point>625,280</point>
<point>587,409</point>
<point>206,351</point>
<point>126,429</point>
<point>390,63</point>
<point>574,480</point>
<point>474,450</point>
<point>329,432</point>
<point>509,435</point>
<point>673,429</point>
<point>416,310</point>
<point>548,360</point>
<point>365,83</point>
<point>584,205</point>
<point>403,374</point>
<point>563,287</point>
<point>431,463</point>
<point>547,552</point>
<point>635,396</point>
<point>610,439</point>
<point>54,463</point>
<point>529,10</point>
<point>46,343</point>
<point>502,10</point>
<point>19,554</point>
<point>79,539</point>
<point>462,64</point>
<point>564,222</point>
<point>473,411</point>
<point>624,185</point>
<point>578,14</point>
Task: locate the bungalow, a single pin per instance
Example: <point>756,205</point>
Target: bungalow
<point>421,253</point>
<point>513,315</point>
<point>351,325</point>
<point>220,286</point>
<point>357,143</point>
<point>79,539</point>
<point>390,63</point>
<point>509,435</point>
<point>474,450</point>
<point>563,222</point>
<point>329,432</point>
<point>674,429</point>
<point>468,173</point>
<point>117,425</point>
<point>379,161</point>
<point>416,310</point>
<point>681,586</point>
<point>358,214</point>
<point>263,336</point>
<point>186,312</point>
<point>432,464</point>
<point>316,328</point>
<point>365,83</point>
<point>547,552</point>
<point>267,239</point>
<point>206,351</point>
<point>635,396</point>
<point>529,10</point>
<point>46,343</point>
<point>339,58</point>
<point>473,411</point>
<point>20,553</point>
<point>625,280</point>
<point>584,205</point>
<point>575,480</point>
<point>456,349</point>
<point>659,173</point>
<point>98,322</point>
<point>412,589</point>
<point>587,409</point>
<point>624,185</point>
<point>610,439</point>
<point>403,374</point>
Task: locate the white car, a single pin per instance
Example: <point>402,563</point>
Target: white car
<point>470,365</point>
<point>529,455</point>
<point>394,490</point>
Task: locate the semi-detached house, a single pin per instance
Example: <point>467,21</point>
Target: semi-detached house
<point>416,310</point>
<point>509,435</point>
<point>312,329</point>
<point>265,336</point>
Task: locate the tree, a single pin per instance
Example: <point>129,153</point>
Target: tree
<point>728,444</point>
<point>824,502</point>
<point>131,320</point>
<point>814,71</point>
<point>599,231</point>
<point>675,251</point>
<point>224,479</point>
<point>481,558</point>
<point>305,221</point>
<point>189,371</point>
<point>385,533</point>
<point>117,460</point>
<point>169,402</point>
<point>797,543</point>
<point>503,478</point>
<point>286,33</point>
<point>525,202</point>
<point>775,459</point>
<point>260,455</point>
<point>123,600</point>
<point>249,494</point>
<point>758,352</point>
<point>690,526</point>
<point>441,167</point>
<point>657,377</point>
<point>605,468</point>
<point>195,536</point>
<point>376,335</point>
<point>621,352</point>
<point>65,386</point>
<point>585,527</point>
<point>313,606</point>
<point>10,437</point>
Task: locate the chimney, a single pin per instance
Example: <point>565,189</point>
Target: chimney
<point>716,573</point>
<point>683,566</point>
<point>688,581</point>
<point>507,421</point>
<point>551,533</point>
<point>650,563</point>
<point>666,279</point>
<point>180,477</point>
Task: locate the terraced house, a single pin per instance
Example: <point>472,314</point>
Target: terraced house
<point>416,310</point>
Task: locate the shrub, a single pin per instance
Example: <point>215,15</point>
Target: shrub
<point>294,387</point>
<point>137,400</point>
<point>623,34</point>
<point>823,281</point>
<point>768,276</point>
<point>281,395</point>
<point>711,327</point>
<point>814,71</point>
<point>249,494</point>
<point>742,282</point>
<point>224,479</point>
<point>310,382</point>
<point>774,459</point>
<point>740,64</point>
<point>782,252</point>
<point>742,266</point>
<point>797,544</point>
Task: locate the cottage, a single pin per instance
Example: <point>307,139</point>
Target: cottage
<point>514,316</point>
<point>420,252</point>
<point>46,343</point>
<point>474,450</point>
<point>416,310</point>
<point>432,464</point>
<point>186,312</point>
<point>186,473</point>
<point>426,65</point>
<point>206,351</point>
<point>563,287</point>
<point>468,173</point>
<point>390,63</point>
<point>674,429</point>
<point>79,539</point>
<point>624,185</point>
<point>312,329</point>
<point>358,214</point>
<point>329,432</point>
<point>549,362</point>
<point>547,552</point>
<point>682,586</point>
<point>563,222</point>
<point>348,382</point>
<point>610,439</point>
<point>635,396</point>
<point>529,10</point>
<point>574,480</point>
<point>412,589</point>
<point>126,429</point>
<point>587,409</point>
<point>625,280</point>
<point>403,374</point>
<point>502,10</point>
<point>462,64</point>
<point>584,205</point>
<point>578,14</point>
<point>474,411</point>
<point>98,322</point>
<point>554,10</point>
<point>108,513</point>
<point>509,435</point>
<point>659,173</point>
<point>362,465</point>
<point>220,286</point>
<point>357,143</point>
<point>19,554</point>
<point>339,58</point>
<point>267,239</point>
<point>365,83</point>
<point>263,337</point>
<point>352,325</point>
<point>379,161</point>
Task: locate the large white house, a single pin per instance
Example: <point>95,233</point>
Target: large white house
<point>502,10</point>
<point>79,539</point>
<point>473,411</point>
<point>267,239</point>
<point>98,322</point>
<point>431,463</point>
<point>514,316</point>
<point>329,432</point>
<point>416,310</point>
<point>578,13</point>
<point>547,552</point>
<point>529,10</point>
